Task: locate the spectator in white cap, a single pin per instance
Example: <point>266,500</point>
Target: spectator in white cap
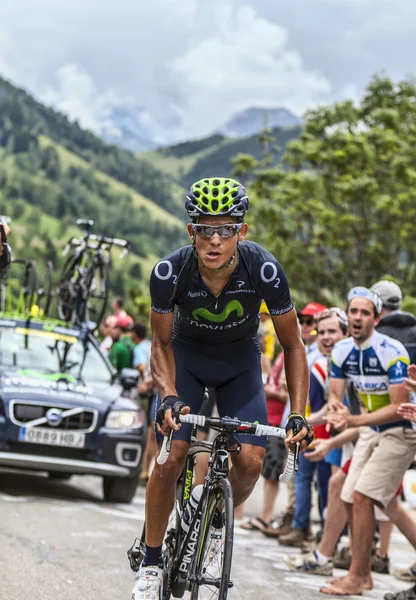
<point>394,322</point>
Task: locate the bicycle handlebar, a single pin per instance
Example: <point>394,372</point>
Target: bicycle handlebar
<point>230,425</point>
<point>75,242</point>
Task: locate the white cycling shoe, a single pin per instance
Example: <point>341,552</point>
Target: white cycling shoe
<point>148,584</point>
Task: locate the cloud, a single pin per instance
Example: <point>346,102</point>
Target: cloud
<point>76,95</point>
<point>186,66</point>
<point>244,62</point>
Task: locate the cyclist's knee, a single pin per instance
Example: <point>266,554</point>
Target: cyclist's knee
<point>250,461</point>
<point>175,462</point>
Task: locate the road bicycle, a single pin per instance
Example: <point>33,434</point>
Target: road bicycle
<point>83,288</point>
<point>199,561</point>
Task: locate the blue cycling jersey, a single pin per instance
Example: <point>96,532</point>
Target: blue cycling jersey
<point>234,314</point>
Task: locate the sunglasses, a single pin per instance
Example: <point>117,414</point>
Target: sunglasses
<point>304,321</point>
<point>224,231</point>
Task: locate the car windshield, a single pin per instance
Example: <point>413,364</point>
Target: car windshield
<point>39,350</point>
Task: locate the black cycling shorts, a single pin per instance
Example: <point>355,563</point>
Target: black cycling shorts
<point>233,370</point>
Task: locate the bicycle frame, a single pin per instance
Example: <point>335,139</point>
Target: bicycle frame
<point>184,567</point>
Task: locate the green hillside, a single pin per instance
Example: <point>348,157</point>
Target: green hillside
<point>52,172</point>
<point>189,161</point>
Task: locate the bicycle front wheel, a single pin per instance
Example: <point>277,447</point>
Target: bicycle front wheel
<point>213,565</point>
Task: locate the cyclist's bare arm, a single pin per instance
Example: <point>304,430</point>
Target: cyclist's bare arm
<point>296,367</point>
<point>162,362</point>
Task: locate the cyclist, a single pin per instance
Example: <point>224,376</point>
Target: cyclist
<point>217,284</point>
<point>377,365</point>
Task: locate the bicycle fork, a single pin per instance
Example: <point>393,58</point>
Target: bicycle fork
<point>191,548</point>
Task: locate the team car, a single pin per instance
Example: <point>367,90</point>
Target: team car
<point>62,409</point>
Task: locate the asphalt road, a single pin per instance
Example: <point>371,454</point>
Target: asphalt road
<point>60,541</point>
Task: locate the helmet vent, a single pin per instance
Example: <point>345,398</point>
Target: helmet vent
<point>205,190</point>
<point>205,200</point>
<point>225,200</point>
<point>233,194</point>
<point>197,194</point>
<point>225,190</point>
<point>215,193</point>
<point>214,205</point>
<point>216,182</point>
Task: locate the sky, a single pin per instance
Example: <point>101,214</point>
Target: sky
<point>185,67</point>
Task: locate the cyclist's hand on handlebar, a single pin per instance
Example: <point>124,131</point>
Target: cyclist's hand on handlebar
<point>298,430</point>
<point>164,416</point>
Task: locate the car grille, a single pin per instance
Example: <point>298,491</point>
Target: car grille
<point>22,413</point>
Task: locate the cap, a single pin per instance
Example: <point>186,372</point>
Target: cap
<point>389,292</point>
<point>312,309</point>
<point>363,292</point>
<point>124,321</point>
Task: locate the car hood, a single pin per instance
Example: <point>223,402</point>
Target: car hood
<point>41,387</point>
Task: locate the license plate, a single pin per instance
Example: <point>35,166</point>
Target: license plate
<point>50,437</point>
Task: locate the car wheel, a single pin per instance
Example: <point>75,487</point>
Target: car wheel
<point>60,476</point>
<point>119,489</point>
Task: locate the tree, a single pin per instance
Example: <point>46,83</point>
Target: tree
<point>339,208</point>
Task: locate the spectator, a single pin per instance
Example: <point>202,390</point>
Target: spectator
<point>332,326</point>
<point>105,326</point>
<point>274,460</point>
<point>377,365</point>
<point>142,347</point>
<point>307,323</point>
<point>122,350</point>
<point>394,322</point>
<point>269,336</point>
<point>118,309</point>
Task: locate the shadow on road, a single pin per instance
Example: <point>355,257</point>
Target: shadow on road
<point>39,485</point>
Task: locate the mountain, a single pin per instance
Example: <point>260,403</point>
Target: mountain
<point>134,129</point>
<point>253,120</point>
<point>128,131</point>
<point>189,161</point>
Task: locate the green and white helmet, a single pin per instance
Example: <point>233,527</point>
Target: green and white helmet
<point>216,197</point>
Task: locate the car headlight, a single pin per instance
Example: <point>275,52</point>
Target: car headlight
<point>124,419</point>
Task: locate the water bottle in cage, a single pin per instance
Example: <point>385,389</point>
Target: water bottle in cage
<point>191,506</point>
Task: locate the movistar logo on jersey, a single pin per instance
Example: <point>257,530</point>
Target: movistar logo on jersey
<point>230,307</point>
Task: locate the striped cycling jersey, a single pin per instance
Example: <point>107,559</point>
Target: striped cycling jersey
<point>372,366</point>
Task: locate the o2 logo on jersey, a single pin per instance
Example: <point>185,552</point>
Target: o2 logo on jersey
<point>164,270</point>
<point>268,273</point>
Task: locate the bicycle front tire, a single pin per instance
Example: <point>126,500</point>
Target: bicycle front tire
<point>216,547</point>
